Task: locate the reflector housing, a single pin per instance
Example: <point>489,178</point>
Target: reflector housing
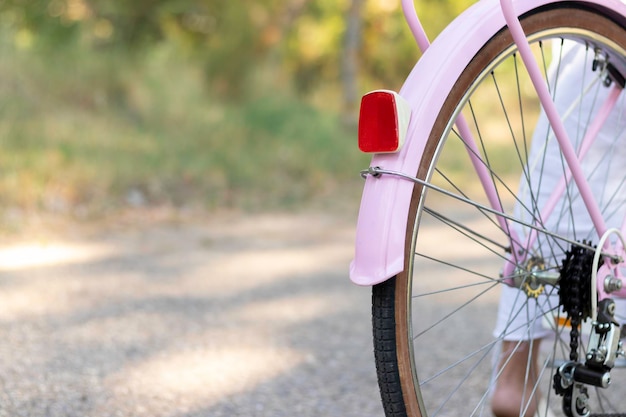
<point>383,122</point>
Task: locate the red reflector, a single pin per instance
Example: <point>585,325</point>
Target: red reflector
<point>383,121</point>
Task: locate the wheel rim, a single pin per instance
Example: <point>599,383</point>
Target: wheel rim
<point>435,401</point>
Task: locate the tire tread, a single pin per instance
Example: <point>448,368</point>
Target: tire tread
<point>385,354</point>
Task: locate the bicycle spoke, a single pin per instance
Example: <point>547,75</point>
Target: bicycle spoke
<point>466,231</point>
<point>460,383</point>
<point>460,268</point>
<point>453,312</point>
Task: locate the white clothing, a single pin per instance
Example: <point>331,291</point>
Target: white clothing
<point>516,310</point>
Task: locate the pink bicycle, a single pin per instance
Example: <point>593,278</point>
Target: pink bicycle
<point>492,220</point>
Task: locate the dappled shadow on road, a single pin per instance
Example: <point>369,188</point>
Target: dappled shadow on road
<point>251,317</point>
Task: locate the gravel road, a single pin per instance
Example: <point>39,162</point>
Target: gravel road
<point>230,316</point>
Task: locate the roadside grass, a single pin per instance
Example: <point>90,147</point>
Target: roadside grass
<point>84,133</point>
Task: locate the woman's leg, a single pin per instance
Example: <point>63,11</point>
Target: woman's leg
<point>516,380</point>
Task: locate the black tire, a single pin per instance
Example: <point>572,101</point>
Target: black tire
<point>385,352</point>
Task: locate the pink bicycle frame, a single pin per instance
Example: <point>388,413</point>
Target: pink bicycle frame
<point>382,223</point>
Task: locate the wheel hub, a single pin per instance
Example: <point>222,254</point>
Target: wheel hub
<point>533,276</point>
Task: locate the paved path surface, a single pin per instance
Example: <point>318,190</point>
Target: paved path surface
<point>235,316</point>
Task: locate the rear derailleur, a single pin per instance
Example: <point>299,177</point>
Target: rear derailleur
<point>571,378</point>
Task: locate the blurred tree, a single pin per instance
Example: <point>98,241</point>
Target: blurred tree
<point>350,61</point>
<point>310,44</point>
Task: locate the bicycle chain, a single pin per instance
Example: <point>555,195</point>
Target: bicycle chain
<point>575,298</point>
<point>574,294</point>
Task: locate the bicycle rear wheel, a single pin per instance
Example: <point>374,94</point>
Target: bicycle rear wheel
<point>437,353</point>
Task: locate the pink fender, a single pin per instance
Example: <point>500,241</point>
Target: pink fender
<point>382,222</point>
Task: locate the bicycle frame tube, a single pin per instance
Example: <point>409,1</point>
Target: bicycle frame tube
<point>383,217</point>
<point>408,7</point>
<point>534,71</point>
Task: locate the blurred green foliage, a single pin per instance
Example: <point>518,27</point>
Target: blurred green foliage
<point>217,103</point>
<point>299,39</point>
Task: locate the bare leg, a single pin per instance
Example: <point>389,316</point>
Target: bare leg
<point>514,381</point>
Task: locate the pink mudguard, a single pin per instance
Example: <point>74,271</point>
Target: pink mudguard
<point>382,222</point>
